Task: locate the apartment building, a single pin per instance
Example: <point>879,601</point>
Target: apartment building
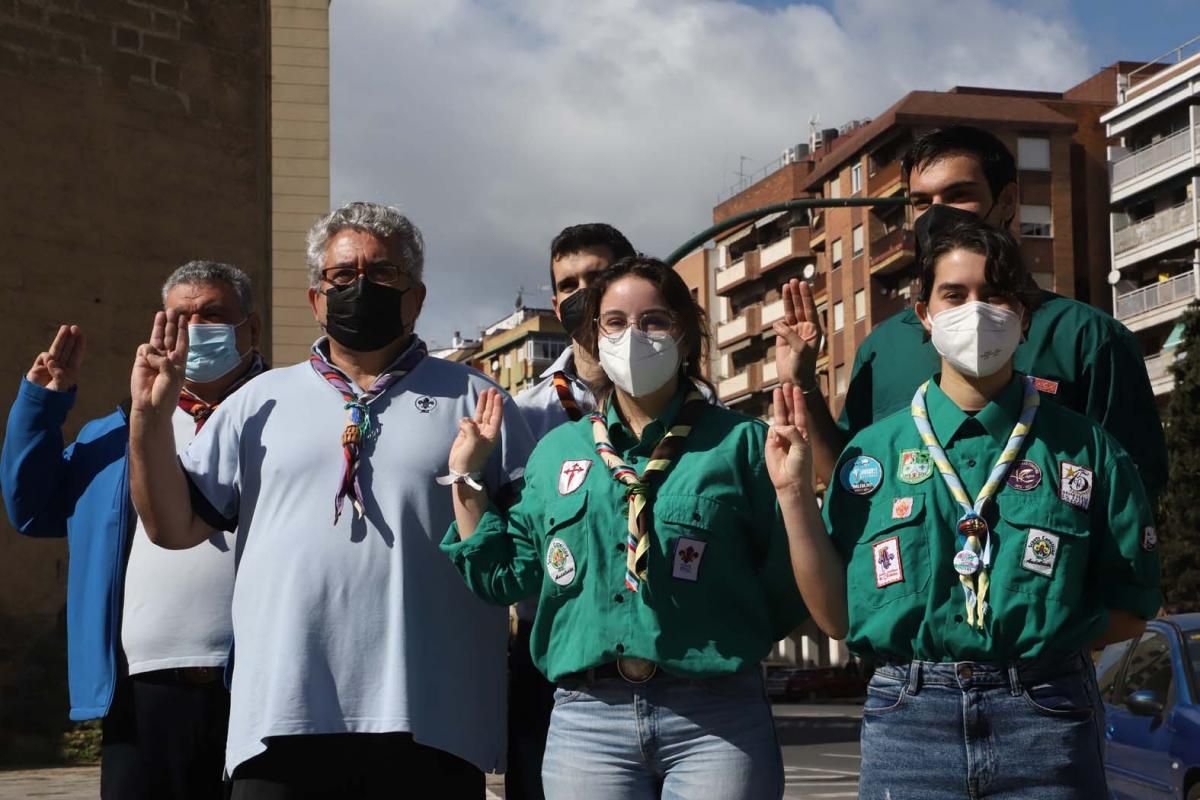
<point>516,350</point>
<point>1155,218</point>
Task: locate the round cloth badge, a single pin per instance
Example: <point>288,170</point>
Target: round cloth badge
<point>560,564</point>
<point>966,562</point>
<point>861,475</point>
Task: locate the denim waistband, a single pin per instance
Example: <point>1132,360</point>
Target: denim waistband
<point>973,674</point>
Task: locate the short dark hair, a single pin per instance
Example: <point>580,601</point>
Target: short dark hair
<point>574,238</point>
<point>689,315</point>
<point>1004,265</point>
<point>999,166</point>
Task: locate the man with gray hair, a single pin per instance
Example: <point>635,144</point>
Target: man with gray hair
<point>363,663</point>
<point>149,630</point>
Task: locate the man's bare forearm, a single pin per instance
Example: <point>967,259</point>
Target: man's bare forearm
<point>158,486</point>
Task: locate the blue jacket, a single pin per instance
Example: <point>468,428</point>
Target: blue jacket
<point>81,492</point>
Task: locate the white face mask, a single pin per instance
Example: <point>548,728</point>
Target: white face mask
<point>637,363</point>
<point>976,338</point>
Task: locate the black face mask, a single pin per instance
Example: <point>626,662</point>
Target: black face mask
<point>936,221</point>
<point>571,311</point>
<point>364,316</point>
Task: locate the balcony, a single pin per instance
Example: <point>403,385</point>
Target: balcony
<point>1143,168</point>
<point>893,251</point>
<point>886,181</point>
<point>1157,303</point>
<point>1158,368</point>
<point>739,272</point>
<point>743,383</point>
<point>816,230</point>
<point>771,312</point>
<point>770,374</point>
<point>745,324</point>
<point>1155,234</point>
<point>794,245</point>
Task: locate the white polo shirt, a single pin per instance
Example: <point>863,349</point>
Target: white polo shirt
<point>541,404</point>
<point>363,626</point>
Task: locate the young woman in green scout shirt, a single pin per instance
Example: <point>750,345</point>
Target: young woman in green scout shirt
<point>652,535</point>
<point>991,536</point>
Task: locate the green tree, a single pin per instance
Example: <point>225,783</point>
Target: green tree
<point>1178,511</point>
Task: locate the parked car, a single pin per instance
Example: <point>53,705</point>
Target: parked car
<point>810,684</point>
<point>777,681</point>
<point>1152,729</point>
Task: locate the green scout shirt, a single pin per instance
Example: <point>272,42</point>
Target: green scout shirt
<point>1087,361</point>
<point>1068,544</point>
<point>719,588</point>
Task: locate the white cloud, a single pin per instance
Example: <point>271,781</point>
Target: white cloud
<point>495,124</point>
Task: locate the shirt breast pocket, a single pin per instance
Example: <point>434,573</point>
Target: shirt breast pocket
<point>567,536</point>
<point>690,530</point>
<point>1043,549</point>
<point>891,559</point>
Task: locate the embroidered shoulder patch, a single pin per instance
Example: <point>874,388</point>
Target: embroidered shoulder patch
<point>1075,485</point>
<point>571,476</point>
<point>902,508</point>
<point>1045,386</point>
<point>915,466</point>
<point>1041,551</point>
<point>888,567</point>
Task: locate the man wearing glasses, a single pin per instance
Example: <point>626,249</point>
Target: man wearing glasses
<point>362,662</point>
<point>149,629</point>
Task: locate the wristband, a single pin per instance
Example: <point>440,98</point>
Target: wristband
<point>471,479</point>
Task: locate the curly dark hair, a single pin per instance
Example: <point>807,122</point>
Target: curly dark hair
<point>1004,265</point>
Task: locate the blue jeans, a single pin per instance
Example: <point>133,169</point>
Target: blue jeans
<point>670,738</point>
<point>966,730</point>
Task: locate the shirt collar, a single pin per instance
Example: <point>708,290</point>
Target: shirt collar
<point>998,418</point>
<point>565,363</point>
<point>320,349</point>
<point>653,432</point>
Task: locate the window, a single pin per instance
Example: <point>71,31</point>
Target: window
<point>856,179</point>
<point>1108,668</point>
<point>1035,221</point>
<point>839,315</point>
<point>860,304</point>
<point>836,253</point>
<point>544,349</point>
<point>839,379</point>
<point>1033,153</point>
<point>835,186</point>
<point>1149,668</point>
<point>857,240</point>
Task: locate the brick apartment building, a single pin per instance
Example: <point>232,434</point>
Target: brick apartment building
<point>138,135</point>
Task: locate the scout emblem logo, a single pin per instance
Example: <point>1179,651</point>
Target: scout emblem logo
<point>862,475</point>
<point>902,508</point>
<point>888,568</point>
<point>560,564</point>
<point>915,466</point>
<point>1045,386</point>
<point>688,554</point>
<point>966,562</point>
<point>1025,476</point>
<point>571,476</point>
<point>1075,485</point>
<point>1041,551</point>
<point>1149,539</point>
<point>425,404</point>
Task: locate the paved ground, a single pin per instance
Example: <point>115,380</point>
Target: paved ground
<point>820,755</point>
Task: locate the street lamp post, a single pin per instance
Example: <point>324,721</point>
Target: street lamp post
<point>789,205</point>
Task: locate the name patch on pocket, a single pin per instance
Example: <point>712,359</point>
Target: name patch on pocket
<point>1041,551</point>
<point>888,567</point>
<point>685,565</point>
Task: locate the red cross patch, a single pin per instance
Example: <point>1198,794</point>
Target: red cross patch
<point>571,476</point>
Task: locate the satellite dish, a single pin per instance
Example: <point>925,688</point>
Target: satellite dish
<point>810,271</point>
<point>1114,277</point>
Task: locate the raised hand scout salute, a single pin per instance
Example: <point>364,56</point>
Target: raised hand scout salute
<point>990,537</point>
<point>651,532</point>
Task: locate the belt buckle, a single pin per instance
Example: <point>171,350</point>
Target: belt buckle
<point>636,670</point>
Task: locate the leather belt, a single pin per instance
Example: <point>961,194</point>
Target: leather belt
<point>630,670</point>
<point>195,676</point>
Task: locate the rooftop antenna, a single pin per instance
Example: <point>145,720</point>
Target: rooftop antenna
<point>520,298</point>
<point>813,122</point>
<point>741,173</point>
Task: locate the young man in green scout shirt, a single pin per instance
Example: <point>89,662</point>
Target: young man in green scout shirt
<point>1081,356</point>
<point>991,535</point>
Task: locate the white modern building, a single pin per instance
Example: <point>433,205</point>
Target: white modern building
<point>1155,202</point>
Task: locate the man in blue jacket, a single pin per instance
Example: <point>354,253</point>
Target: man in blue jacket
<point>149,629</point>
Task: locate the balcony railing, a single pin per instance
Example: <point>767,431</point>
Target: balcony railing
<point>744,382</point>
<point>739,327</point>
<point>1156,295</point>
<point>1163,224</point>
<point>1152,157</point>
<point>794,245</point>
<point>886,177</point>
<point>745,269</point>
<point>891,246</point>
<point>771,312</point>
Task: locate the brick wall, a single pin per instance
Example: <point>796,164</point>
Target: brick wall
<point>134,137</point>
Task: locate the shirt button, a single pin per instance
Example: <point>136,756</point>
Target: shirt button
<point>970,462</point>
<point>695,517</point>
<point>965,671</point>
<point>620,548</point>
<point>552,520</point>
<point>618,598</point>
<point>620,648</point>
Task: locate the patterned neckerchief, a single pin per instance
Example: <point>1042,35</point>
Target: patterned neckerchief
<point>201,410</point>
<point>665,454</point>
<point>358,413</point>
<point>562,385</point>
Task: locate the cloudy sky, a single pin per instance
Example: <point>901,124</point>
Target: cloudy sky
<point>494,124</point>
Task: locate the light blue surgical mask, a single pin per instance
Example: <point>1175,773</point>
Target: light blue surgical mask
<point>212,351</point>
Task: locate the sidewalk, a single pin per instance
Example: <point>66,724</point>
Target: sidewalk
<point>83,783</point>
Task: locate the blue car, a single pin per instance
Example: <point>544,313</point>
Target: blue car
<point>1152,704</point>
